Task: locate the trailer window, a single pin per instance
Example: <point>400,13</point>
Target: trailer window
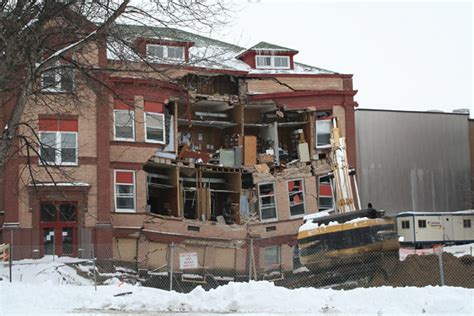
<point>405,224</point>
<point>422,223</point>
<point>467,223</point>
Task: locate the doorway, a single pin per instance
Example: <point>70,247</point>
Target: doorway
<point>58,228</point>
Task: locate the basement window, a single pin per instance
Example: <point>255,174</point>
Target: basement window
<point>296,197</point>
<point>267,203</point>
<point>271,256</point>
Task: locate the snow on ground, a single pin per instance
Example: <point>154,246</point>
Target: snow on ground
<point>260,297</point>
<point>47,287</point>
<point>43,270</point>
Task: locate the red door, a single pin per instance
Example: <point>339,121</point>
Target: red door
<point>58,227</point>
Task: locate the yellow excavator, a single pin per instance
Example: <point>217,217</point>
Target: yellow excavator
<point>345,235</point>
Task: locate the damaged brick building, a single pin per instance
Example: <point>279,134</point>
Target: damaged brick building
<point>225,146</point>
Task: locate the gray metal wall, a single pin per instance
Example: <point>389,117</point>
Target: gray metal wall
<point>413,161</point>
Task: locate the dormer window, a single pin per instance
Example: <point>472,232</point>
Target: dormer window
<point>154,52</point>
<point>272,62</point>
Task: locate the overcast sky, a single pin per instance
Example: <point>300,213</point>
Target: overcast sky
<point>404,55</point>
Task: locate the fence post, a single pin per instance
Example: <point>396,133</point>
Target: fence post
<point>250,252</point>
<point>171,265</point>
<point>54,244</point>
<point>95,267</point>
<point>441,270</point>
<point>10,255</point>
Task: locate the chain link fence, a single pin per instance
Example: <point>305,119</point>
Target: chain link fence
<point>183,267</point>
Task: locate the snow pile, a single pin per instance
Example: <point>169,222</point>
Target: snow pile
<point>46,287</point>
<point>254,297</point>
<point>43,270</point>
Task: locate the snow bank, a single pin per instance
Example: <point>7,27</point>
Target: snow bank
<point>47,287</point>
<point>254,297</point>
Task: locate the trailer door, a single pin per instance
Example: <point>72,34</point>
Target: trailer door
<point>448,228</point>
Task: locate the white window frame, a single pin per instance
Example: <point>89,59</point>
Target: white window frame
<point>124,210</point>
<point>164,128</point>
<point>302,191</point>
<point>272,62</point>
<point>165,52</point>
<point>57,149</point>
<point>316,132</point>
<point>126,139</point>
<point>324,196</point>
<point>57,68</point>
<point>260,204</point>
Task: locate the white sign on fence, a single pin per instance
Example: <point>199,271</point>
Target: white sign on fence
<point>188,260</point>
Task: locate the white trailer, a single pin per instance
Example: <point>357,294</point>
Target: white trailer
<point>428,228</point>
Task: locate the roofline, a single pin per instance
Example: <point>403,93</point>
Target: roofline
<point>191,68</point>
<point>263,75</point>
<point>306,93</point>
<point>244,72</point>
<point>409,111</point>
<point>147,81</point>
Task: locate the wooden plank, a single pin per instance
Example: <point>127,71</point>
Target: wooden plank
<point>250,150</point>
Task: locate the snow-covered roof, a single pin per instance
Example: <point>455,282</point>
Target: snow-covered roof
<point>60,184</point>
<point>464,212</point>
<point>206,52</point>
<point>269,46</point>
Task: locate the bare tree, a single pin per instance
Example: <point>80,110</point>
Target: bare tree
<point>44,37</point>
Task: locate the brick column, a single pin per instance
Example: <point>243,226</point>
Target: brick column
<point>104,234</point>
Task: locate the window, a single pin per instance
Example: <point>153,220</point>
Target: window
<point>124,125</point>
<point>271,255</point>
<point>422,223</point>
<point>59,148</point>
<point>466,223</point>
<point>58,141</point>
<point>325,199</point>
<point>296,197</point>
<point>165,52</point>
<point>405,224</point>
<point>266,198</point>
<point>281,62</point>
<point>58,79</point>
<point>155,127</point>
<point>323,133</point>
<point>124,191</point>
<point>264,61</point>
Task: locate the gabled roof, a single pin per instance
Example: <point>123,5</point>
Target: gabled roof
<point>170,34</point>
<point>206,52</point>
<point>269,46</point>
